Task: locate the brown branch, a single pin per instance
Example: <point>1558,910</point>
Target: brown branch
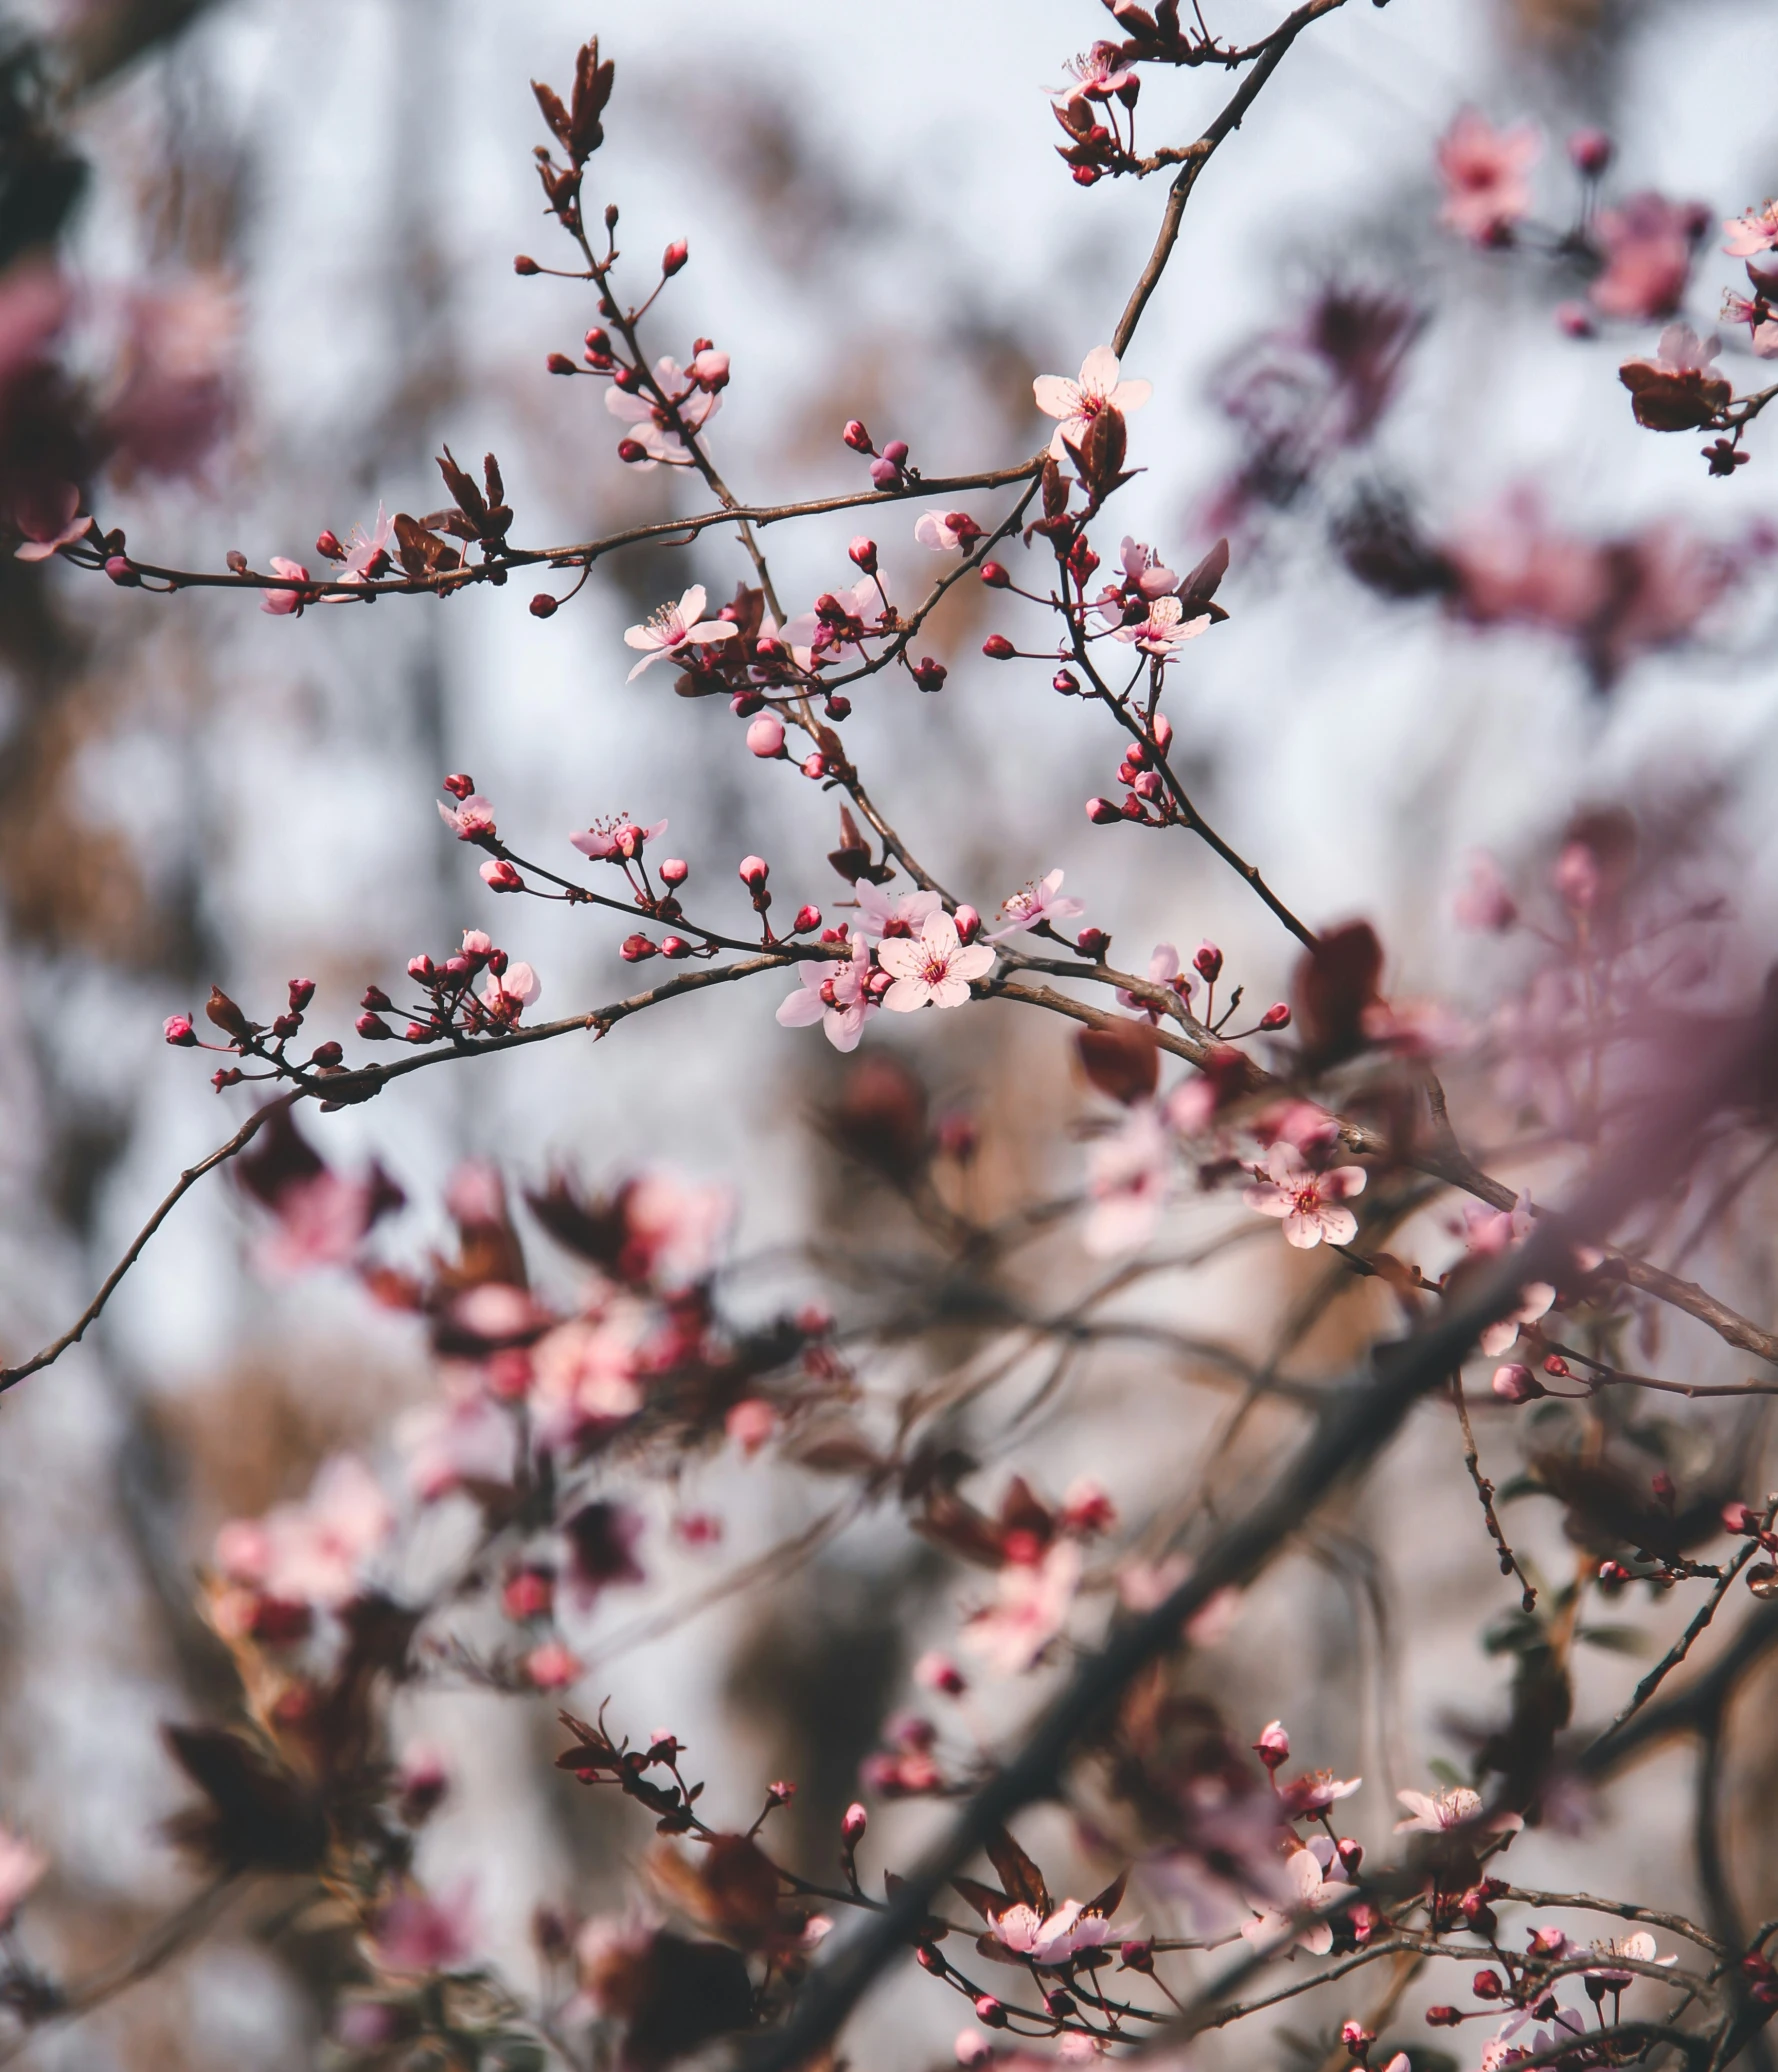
<point>1484,1489</point>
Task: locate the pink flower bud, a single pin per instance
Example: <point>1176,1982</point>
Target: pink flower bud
<point>1735,1517</point>
<point>1589,152</point>
<point>1066,682</point>
<point>994,575</point>
<point>630,451</point>
<point>675,871</point>
<point>1102,813</point>
<point>1442,2017</point>
<point>998,648</point>
<point>710,371</point>
<point>1487,1985</point>
<point>782,1792</point>
<point>856,436</point>
<point>814,766</point>
<point>1515,1383</point>
<point>544,606</point>
<point>1093,943</point>
<point>753,872</point>
<point>300,992</point>
<point>499,876</point>
<point>765,737</point>
<point>674,257</point>
<point>854,1822</point>
<point>635,948</point>
<point>178,1029</point>
<point>459,784</point>
<point>839,707</point>
<point>969,923</point>
<point>551,1667</point>
<point>375,998</point>
<point>896,452</point>
<point>117,567</point>
<point>884,473</point>
<point>1162,731</point>
<point>598,340</point>
<point>326,1055</point>
<point>1273,1745</point>
<point>864,553</point>
<point>1208,963</point>
<point>1356,2037</point>
<point>1136,1955</point>
<point>807,917</point>
<point>928,1959</point>
<point>675,946</point>
<point>1277,1016</point>
<point>972,2048</point>
<point>989,2012</point>
<point>373,1028</point>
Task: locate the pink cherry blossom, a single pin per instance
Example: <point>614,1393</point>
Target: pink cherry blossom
<point>22,1865</point>
<point>1096,73</point>
<point>553,1667</point>
<point>585,1375</point>
<point>1143,571</point>
<point>935,971</point>
<point>363,549</point>
<point>1127,1176</point>
<point>1647,243</point>
<point>1435,1813</point>
<point>316,1551</point>
<point>1534,1303</point>
<point>1308,1200</point>
<point>1032,904</point>
<point>1031,1608</point>
<point>834,993</point>
<point>1052,1939</point>
<point>676,627</point>
<point>1485,173</point>
<point>676,1228</point>
<point>618,840</point>
<point>908,914</point>
<point>651,426</point>
<point>1163,970</point>
<point>1076,403</point>
<point>507,996</point>
<point>446,1445</point>
<point>416,1935</point>
<point>474,816</point>
<point>1752,232</point>
<point>57,524</point>
<point>1165,628</point>
<point>1314,1876</point>
<point>1639,1948</point>
<point>283,603</point>
<point>943,530</point>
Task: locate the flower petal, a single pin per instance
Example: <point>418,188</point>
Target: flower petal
<point>1056,396</point>
<point>1098,372</point>
<point>906,996</point>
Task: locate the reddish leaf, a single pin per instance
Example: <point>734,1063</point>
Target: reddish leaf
<point>1123,1060</point>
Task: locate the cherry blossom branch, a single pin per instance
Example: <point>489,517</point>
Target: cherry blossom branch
<point>1484,1489</point>
<point>169,1202</point>
<point>1625,1910</point>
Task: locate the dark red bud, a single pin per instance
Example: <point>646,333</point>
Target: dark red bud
<point>559,363</point>
<point>1066,682</point>
<point>636,948</point>
<point>1277,1016</point>
<point>1101,812</point>
<point>544,606</point>
<point>998,648</point>
<point>302,991</point>
<point>994,575</point>
<point>373,1028</point>
<point>674,257</point>
<point>856,436</point>
<point>629,451</point>
<point>524,265</point>
<point>1093,943</point>
<point>326,1055</point>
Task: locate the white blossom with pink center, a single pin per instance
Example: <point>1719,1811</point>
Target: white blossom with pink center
<point>618,838</point>
<point>1309,1201</point>
<point>472,817</point>
<point>363,548</point>
<point>1165,628</point>
<point>1127,1175</point>
<point>1076,403</point>
<point>447,1445</point>
<point>280,603</point>
<point>936,971</point>
<point>1435,1813</point>
<point>1163,970</point>
<point>1315,1878</point>
<point>584,1373</point>
<point>1752,232</point>
<point>907,914</point>
<point>1486,175</point>
<point>1030,1609</point>
<point>834,993</point>
<point>507,996</point>
<point>943,530</point>
<point>1052,1939</point>
<point>675,627</point>
<point>650,424</point>
<point>1096,73</point>
<point>1042,900</point>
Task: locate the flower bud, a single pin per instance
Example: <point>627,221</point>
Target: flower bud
<point>499,876</point>
<point>559,363</point>
<point>709,370</point>
<point>524,266</point>
<point>814,766</point>
<point>376,999</point>
<point>806,917</point>
<point>896,452</point>
<point>856,436</point>
<point>630,451</point>
<point>885,474</point>
<point>989,2012</point>
<point>627,379</point>
<point>675,946</point>
<point>994,575</point>
<point>929,1959</point>
<point>1357,2038</point>
<point>864,553</point>
<point>1589,152</point>
<point>544,606</point>
<point>1273,1745</point>
<point>854,1823</point>
<point>839,707</point>
<point>1442,2018</point>
<point>1559,1367</point>
<point>326,1055</point>
<point>930,675</point>
<point>1515,1383</point>
<point>1487,1985</point>
<point>1136,1955</point>
<point>1277,1016</point>
<point>1208,963</point>
<point>753,872</point>
<point>418,1032</point>
<point>117,567</point>
<point>497,962</point>
<point>765,737</point>
<point>782,1792</point>
<point>674,257</point>
<point>459,784</point>
<point>998,648</point>
<point>1092,943</point>
<point>373,1028</point>
<point>939,1673</point>
<point>1736,1517</point>
<point>969,923</point>
<point>301,992</point>
<point>1162,731</point>
<point>1101,812</point>
<point>1066,682</point>
<point>327,544</point>
<point>635,948</point>
<point>675,870</point>
<point>178,1029</point>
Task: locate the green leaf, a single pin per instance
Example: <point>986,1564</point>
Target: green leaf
<point>1618,1640</point>
<point>1446,1773</point>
